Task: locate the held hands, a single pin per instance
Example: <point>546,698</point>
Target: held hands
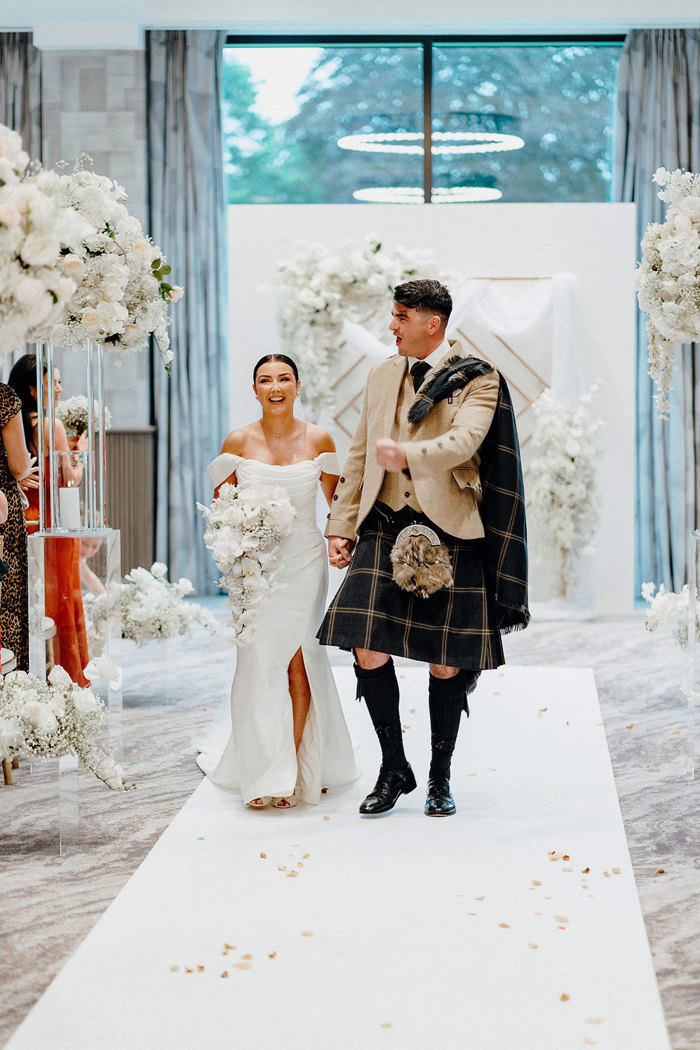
<point>339,551</point>
<point>390,456</point>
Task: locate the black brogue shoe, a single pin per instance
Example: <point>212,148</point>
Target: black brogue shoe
<point>390,784</point>
<point>439,801</point>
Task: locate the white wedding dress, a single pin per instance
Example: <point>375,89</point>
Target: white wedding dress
<point>260,758</point>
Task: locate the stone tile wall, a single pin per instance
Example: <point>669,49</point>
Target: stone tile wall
<point>95,102</point>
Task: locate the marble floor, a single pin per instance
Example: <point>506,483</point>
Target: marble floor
<point>176,692</point>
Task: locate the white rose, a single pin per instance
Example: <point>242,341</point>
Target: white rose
<point>27,290</point>
<point>73,265</point>
<point>40,716</point>
<point>176,293</point>
<point>58,676</point>
<point>65,289</point>
<point>40,249</point>
<point>102,667</point>
<point>144,251</point>
<point>184,585</point>
<point>159,569</point>
<point>90,318</point>
<point>84,701</point>
<point>168,356</point>
<point>9,216</point>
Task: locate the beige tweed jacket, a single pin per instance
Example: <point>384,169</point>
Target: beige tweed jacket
<point>442,454</point>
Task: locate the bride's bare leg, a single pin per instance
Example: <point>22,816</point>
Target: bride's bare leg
<point>300,693</point>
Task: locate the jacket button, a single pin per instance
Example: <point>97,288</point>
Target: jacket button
<point>439,444</point>
<point>407,494</point>
<point>335,497</point>
<point>424,450</point>
<point>342,480</point>
<point>452,437</point>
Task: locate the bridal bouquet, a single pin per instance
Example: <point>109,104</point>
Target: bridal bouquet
<point>320,287</point>
<point>245,523</point>
<point>152,608</point>
<point>73,413</point>
<point>562,484</point>
<point>122,293</point>
<point>667,606</point>
<point>668,277</point>
<point>55,718</point>
<point>33,229</point>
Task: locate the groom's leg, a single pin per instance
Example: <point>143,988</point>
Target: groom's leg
<point>377,683</point>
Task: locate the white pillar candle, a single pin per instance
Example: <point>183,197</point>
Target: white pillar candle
<point>69,506</point>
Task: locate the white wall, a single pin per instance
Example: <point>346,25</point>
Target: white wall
<point>594,241</point>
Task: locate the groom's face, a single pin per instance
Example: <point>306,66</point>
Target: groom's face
<point>413,330</point>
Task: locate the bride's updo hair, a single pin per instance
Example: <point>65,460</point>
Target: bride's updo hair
<point>276,357</point>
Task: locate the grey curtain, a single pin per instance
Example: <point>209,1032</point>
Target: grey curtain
<point>658,125</point>
<point>20,89</point>
<point>188,221</point>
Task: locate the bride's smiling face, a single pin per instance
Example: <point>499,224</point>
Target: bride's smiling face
<point>276,387</point>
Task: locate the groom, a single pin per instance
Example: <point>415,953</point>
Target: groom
<point>435,448</point>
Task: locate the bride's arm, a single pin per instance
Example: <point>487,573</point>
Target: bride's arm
<point>324,443</point>
<point>232,443</point>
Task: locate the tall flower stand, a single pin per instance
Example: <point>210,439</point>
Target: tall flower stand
<point>691,679</point>
<point>72,527</point>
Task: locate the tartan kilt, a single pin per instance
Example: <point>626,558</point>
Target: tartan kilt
<point>454,627</point>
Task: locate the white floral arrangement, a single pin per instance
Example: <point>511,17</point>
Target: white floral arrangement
<point>73,413</point>
<point>321,287</point>
<point>670,607</point>
<point>122,294</point>
<point>245,524</point>
<point>668,277</point>
<point>562,482</point>
<point>152,608</point>
<point>33,230</point>
<point>55,718</point>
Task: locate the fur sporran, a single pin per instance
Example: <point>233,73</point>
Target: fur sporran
<point>421,563</point>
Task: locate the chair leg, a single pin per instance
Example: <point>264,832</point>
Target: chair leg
<point>7,771</point>
<point>15,762</point>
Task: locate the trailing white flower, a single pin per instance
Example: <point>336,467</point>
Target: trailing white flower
<point>34,229</point>
<point>320,287</point>
<point>668,277</point>
<point>122,295</point>
<point>667,606</point>
<point>562,483</point>
<point>152,608</point>
<point>244,527</point>
<point>73,413</point>
<point>55,718</point>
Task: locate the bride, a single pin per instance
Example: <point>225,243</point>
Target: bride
<point>288,733</point>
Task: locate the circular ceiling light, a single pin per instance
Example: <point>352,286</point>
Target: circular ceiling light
<point>442,142</point>
<point>415,195</point>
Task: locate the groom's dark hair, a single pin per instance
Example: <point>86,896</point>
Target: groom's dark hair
<point>427,296</point>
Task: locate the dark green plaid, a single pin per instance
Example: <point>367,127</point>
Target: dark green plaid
<point>454,627</point>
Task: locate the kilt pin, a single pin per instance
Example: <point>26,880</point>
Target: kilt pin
<point>464,481</point>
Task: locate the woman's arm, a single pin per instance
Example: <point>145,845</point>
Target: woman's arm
<point>71,464</point>
<point>19,461</point>
<point>322,441</point>
<point>4,509</point>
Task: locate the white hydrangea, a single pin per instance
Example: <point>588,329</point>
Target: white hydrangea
<point>562,482</point>
<point>122,295</point>
<point>55,718</point>
<point>320,287</point>
<point>668,277</point>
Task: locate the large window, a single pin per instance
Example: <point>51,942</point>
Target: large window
<point>344,122</point>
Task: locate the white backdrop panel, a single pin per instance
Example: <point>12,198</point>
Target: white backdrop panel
<point>594,241</point>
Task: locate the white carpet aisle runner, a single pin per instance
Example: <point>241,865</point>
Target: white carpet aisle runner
<point>514,925</point>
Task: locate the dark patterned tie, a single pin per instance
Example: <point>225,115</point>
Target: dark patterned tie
<point>418,372</point>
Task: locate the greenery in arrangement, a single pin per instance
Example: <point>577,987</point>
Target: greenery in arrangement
<point>558,98</point>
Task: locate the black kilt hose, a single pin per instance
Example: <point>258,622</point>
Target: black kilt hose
<point>454,627</point>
